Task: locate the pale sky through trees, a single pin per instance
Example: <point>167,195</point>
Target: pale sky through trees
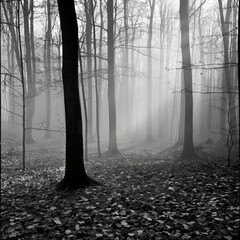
<point>119,119</point>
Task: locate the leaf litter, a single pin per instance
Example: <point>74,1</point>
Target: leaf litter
<point>143,196</point>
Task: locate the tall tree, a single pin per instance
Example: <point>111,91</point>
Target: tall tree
<point>30,103</point>
<point>162,11</point>
<point>88,12</point>
<point>182,115</point>
<point>112,147</point>
<point>203,106</point>
<point>75,174</point>
<point>126,67</point>
<point>188,149</point>
<point>100,47</point>
<point>96,82</point>
<point>149,88</point>
<point>227,68</point>
<point>48,66</point>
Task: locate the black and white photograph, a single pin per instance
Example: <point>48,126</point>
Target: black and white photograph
<point>119,120</point>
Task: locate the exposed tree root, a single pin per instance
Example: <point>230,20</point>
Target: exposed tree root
<point>68,184</point>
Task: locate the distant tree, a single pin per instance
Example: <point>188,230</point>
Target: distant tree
<point>112,148</point>
<point>100,65</point>
<point>162,13</point>
<point>30,104</point>
<point>149,87</point>
<point>48,66</point>
<point>126,63</point>
<point>182,115</point>
<point>75,174</point>
<point>188,149</point>
<point>89,28</point>
<point>96,83</point>
<point>229,75</point>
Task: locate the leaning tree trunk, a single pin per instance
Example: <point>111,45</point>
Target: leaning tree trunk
<point>112,148</point>
<point>188,149</point>
<point>75,174</point>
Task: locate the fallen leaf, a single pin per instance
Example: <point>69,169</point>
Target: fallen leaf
<point>57,221</point>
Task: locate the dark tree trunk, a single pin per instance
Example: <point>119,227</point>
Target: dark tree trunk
<point>112,148</point>
<point>188,149</point>
<point>75,174</point>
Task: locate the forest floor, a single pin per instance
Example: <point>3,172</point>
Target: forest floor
<point>146,193</point>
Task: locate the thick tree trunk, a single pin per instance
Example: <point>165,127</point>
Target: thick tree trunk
<point>188,149</point>
<point>112,148</point>
<point>75,174</point>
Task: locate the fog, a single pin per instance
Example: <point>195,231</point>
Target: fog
<point>132,74</point>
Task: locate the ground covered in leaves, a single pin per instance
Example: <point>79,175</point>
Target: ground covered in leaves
<point>145,195</point>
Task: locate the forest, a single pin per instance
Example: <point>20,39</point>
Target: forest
<point>119,119</point>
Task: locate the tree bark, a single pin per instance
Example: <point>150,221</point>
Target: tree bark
<point>188,149</point>
<point>88,12</point>
<point>126,67</point>
<point>203,106</point>
<point>161,67</point>
<point>30,102</point>
<point>75,174</point>
<point>96,84</point>
<point>182,114</point>
<point>228,76</point>
<point>100,98</point>
<point>48,68</point>
<point>112,148</point>
<point>149,87</point>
